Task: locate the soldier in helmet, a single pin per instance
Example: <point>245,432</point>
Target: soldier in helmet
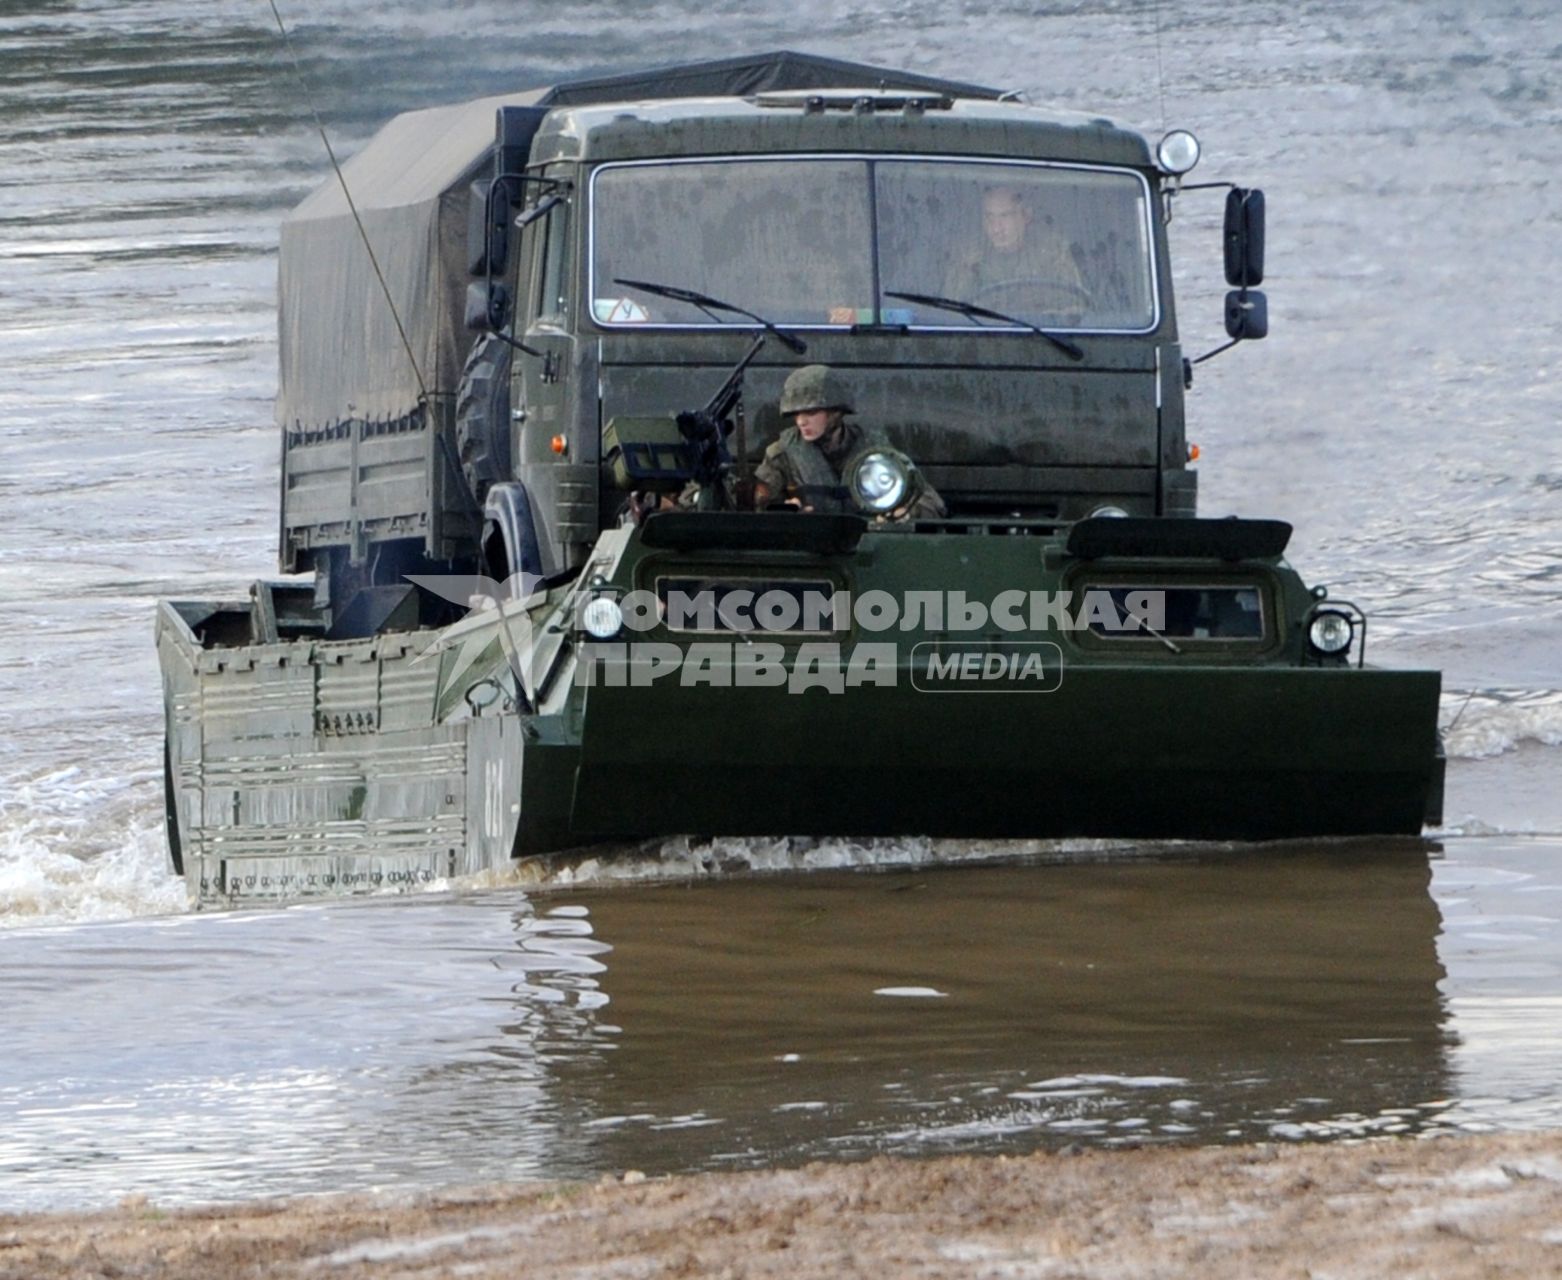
<point>805,466</point>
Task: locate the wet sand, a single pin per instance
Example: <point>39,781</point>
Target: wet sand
<point>1447,1207</point>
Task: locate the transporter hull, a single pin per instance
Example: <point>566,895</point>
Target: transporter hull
<point>405,759</point>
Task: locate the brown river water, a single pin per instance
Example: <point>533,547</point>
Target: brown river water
<point>753,1003</point>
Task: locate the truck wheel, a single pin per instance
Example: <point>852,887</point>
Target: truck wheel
<point>483,416</point>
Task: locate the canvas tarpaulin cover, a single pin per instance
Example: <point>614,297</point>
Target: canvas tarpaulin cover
<point>341,356</point>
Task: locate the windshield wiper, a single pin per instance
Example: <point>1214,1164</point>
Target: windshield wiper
<point>1143,625</point>
<point>1071,350</point>
<point>707,304</point>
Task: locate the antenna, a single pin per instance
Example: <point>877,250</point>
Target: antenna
<point>330,151</point>
<point>1160,74</point>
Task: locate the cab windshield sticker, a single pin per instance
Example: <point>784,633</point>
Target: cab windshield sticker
<point>619,311</point>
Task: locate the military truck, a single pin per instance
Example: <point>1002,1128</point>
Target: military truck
<point>532,349</point>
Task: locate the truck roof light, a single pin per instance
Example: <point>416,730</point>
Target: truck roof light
<point>1177,152</point>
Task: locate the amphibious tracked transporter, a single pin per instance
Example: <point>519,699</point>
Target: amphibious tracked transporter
<point>537,368</point>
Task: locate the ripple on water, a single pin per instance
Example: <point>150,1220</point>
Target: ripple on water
<point>730,1022</point>
<point>1487,722</point>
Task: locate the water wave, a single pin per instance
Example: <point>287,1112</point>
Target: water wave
<point>1482,723</point>
<point>695,858</point>
<point>76,847</point>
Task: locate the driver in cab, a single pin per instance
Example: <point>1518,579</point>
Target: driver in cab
<point>1017,266</point>
<point>824,462</point>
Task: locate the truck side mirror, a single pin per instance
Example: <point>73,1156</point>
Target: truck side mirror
<point>1247,315</point>
<point>492,203</point>
<point>487,306</point>
<point>1244,237</point>
<point>487,228</point>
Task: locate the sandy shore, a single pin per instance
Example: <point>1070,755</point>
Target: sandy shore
<point>1445,1208</point>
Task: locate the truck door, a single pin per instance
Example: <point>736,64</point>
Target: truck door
<point>555,430</point>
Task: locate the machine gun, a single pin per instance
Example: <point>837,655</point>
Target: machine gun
<point>707,430</point>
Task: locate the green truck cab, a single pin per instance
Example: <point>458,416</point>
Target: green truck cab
<point>809,206</point>
<point>536,359</point>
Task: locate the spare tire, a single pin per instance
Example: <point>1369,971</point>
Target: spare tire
<point>483,416</point>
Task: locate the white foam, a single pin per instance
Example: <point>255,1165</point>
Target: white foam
<point>74,847</point>
<point>1489,722</point>
<point>683,858</point>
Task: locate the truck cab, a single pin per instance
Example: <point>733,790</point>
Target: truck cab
<point>839,217</point>
<point>991,279</point>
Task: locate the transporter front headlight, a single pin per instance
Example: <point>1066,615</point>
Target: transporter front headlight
<point>880,482</point>
<point>602,619</point>
<point>1330,632</point>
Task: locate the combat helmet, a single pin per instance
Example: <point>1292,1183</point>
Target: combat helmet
<point>814,387</point>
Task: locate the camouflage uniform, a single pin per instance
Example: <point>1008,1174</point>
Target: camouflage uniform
<point>811,471</point>
<point>798,468</point>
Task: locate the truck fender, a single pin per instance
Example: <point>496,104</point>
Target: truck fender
<point>510,543</point>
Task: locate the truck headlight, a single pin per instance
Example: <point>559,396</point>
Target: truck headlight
<point>602,619</point>
<point>1177,152</point>
<point>880,482</point>
<point>1330,632</point>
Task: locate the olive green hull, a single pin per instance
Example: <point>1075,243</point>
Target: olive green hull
<point>305,765</point>
<point>1205,754</point>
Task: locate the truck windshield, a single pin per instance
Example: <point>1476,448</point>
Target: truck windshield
<point>821,241</point>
